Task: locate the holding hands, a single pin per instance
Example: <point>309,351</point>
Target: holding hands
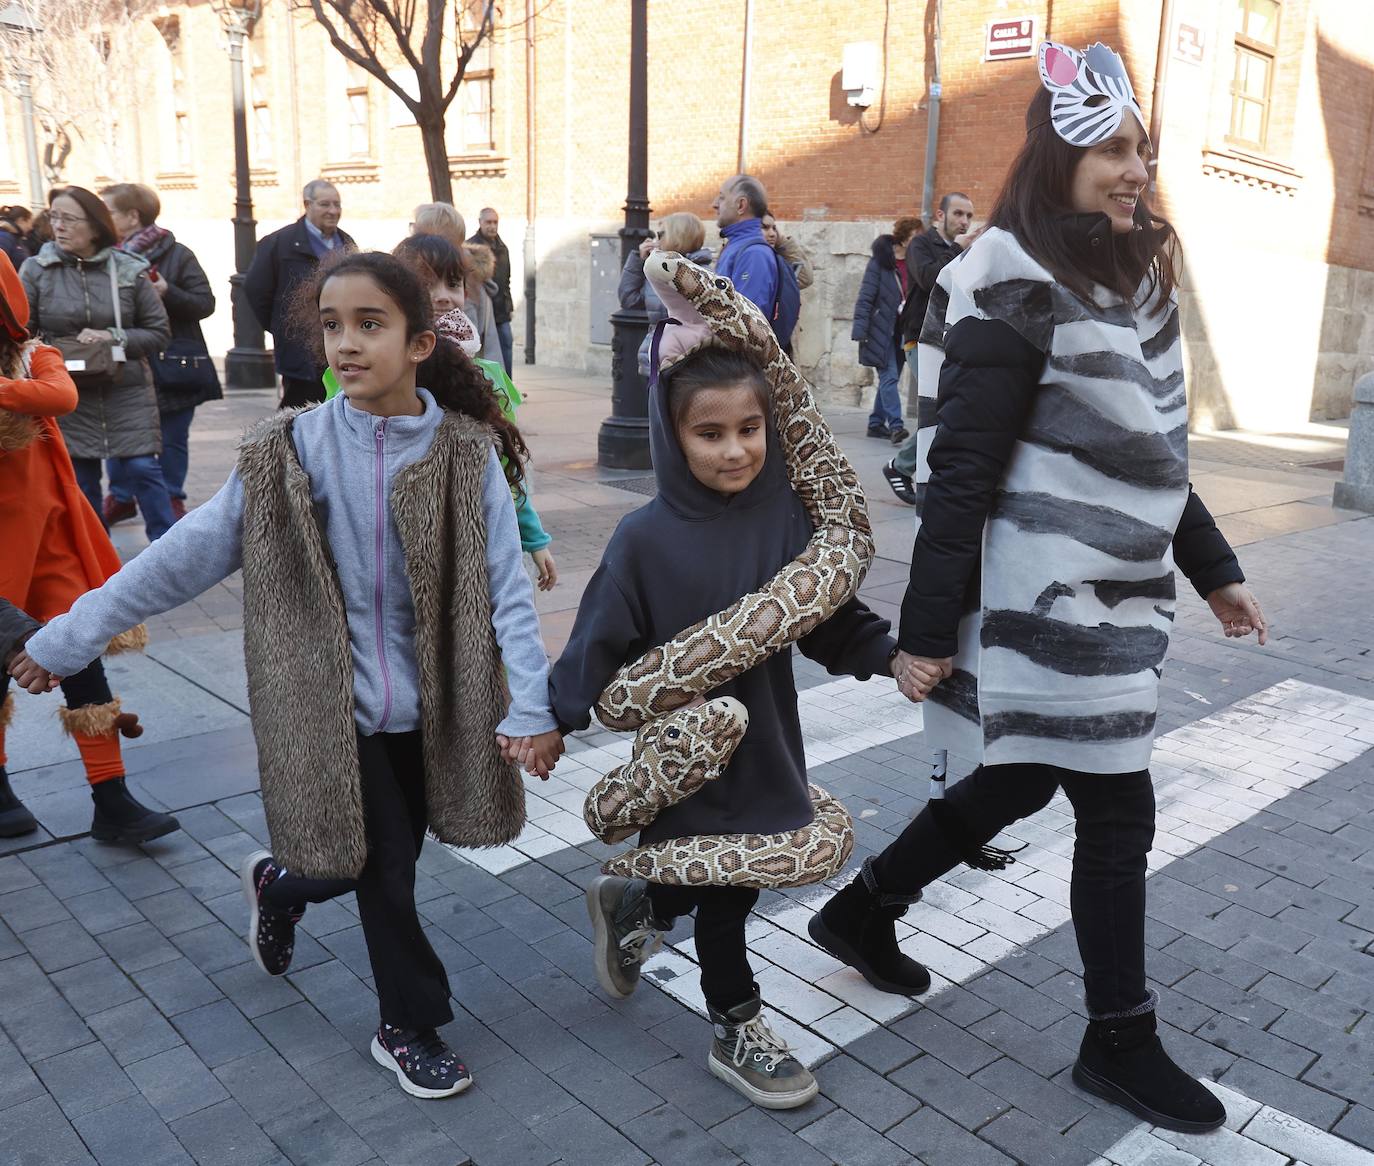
<point>537,754</point>
<point>917,676</point>
<point>31,675</point>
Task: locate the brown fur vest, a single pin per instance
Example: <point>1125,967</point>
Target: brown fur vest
<point>300,671</point>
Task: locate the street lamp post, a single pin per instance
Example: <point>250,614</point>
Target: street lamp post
<point>248,364</point>
<point>16,21</point>
<point>623,442</point>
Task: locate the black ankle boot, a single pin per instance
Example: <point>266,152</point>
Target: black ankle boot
<point>120,817</point>
<point>1124,1062</point>
<point>858,926</point>
<point>15,818</point>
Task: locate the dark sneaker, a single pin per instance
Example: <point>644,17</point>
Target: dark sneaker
<point>15,819</point>
<point>422,1061</point>
<point>899,435</point>
<point>627,933</point>
<point>117,511</point>
<point>271,932</point>
<point>881,432</point>
<point>751,1058</point>
<point>120,817</point>
<point>900,483</point>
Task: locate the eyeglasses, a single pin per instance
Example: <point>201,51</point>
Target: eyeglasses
<point>58,219</point>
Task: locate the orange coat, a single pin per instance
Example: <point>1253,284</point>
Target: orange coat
<point>53,547</point>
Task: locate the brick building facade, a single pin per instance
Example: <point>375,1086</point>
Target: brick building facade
<point>1271,188</point>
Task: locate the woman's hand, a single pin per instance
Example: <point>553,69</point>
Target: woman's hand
<point>917,676</point>
<point>1238,612</point>
<point>547,568</point>
<point>537,754</point>
<point>159,284</point>
<point>94,336</point>
<point>30,675</point>
<point>647,247</point>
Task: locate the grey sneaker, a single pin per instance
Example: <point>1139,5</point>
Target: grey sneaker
<point>750,1057</point>
<point>627,933</point>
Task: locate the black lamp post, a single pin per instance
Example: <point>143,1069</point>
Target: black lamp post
<point>248,364</point>
<point>623,443</point>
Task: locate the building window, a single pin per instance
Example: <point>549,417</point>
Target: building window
<point>474,126</point>
<point>1252,83</point>
<point>261,122</point>
<point>359,114</point>
<point>177,152</point>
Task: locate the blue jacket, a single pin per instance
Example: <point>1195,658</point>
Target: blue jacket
<point>878,307</point>
<point>750,263</point>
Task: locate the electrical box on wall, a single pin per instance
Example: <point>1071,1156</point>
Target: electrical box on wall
<point>859,72</point>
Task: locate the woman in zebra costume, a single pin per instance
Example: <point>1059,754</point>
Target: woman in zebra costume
<point>1055,507</point>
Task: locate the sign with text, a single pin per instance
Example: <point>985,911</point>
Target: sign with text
<point>1007,39</point>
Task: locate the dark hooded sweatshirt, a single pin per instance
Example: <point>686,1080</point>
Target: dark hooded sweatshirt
<point>688,554</point>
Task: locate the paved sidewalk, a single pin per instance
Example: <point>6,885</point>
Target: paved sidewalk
<point>136,1028</point>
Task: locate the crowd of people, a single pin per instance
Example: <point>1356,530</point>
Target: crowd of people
<point>394,657</point>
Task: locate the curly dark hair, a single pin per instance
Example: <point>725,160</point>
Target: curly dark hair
<point>455,382</point>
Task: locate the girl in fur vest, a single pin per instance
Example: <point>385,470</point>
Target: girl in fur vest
<point>389,636</point>
<point>55,549</point>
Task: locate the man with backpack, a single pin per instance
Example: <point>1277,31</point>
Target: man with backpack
<point>747,259</point>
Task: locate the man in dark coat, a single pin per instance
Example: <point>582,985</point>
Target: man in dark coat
<point>926,256</point>
<point>503,307</point>
<point>283,261</point>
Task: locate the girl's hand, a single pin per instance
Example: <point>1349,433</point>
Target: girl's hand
<point>547,568</point>
<point>94,336</point>
<point>542,752</point>
<point>917,676</point>
<point>1238,612</point>
<point>30,675</point>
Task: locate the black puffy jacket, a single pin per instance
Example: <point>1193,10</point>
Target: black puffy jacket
<point>878,306</point>
<point>188,300</point>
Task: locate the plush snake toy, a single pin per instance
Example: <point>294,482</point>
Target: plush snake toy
<point>683,742</point>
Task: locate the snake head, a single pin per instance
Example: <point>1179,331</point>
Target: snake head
<point>708,309</point>
<point>695,735</point>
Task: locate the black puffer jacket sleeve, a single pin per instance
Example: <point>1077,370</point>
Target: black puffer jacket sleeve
<point>987,384</point>
<point>15,625</point>
<point>1201,551</point>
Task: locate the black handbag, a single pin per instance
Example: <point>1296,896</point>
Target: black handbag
<point>185,366</point>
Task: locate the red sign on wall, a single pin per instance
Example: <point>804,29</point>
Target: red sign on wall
<point>1007,39</point>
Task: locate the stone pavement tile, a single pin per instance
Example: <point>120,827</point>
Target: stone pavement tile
<point>341,1082</point>
<point>936,1141</point>
<point>1301,969</point>
<point>477,1043</point>
<point>140,878</point>
<point>300,1034</point>
<point>561,997</point>
<point>1032,1094</point>
<point>545,1043</point>
<point>1031,1142</point>
<point>403,1135</point>
<point>479,888</point>
<point>131,1134</point>
<point>1314,1106</point>
<point>607,1089</point>
<point>1199,955</point>
<point>671,1138</point>
<point>9,942</point>
<point>40,1132</point>
<point>45,1027</point>
<point>540,884</point>
<point>314,1135</point>
<point>1023,1043</point>
<point>17,1080</point>
<point>267,1087</point>
<point>488,1133</point>
<point>1267,1048</point>
<point>175,850</point>
<point>231,849</point>
<point>84,1079</point>
<point>212,948</point>
<point>583,1139</point>
<point>133,1031</point>
<point>176,1083</point>
<point>704,1098</point>
<point>507,954</point>
<point>60,945</point>
<point>1028,1004</point>
<point>32,907</point>
<point>332,988</point>
<point>137,947</point>
<point>1222,1146</point>
<point>847,1141</point>
<point>935,1083</point>
<point>1103,1125</point>
<point>224,1135</point>
<point>953,1045</point>
<point>960,1006</point>
<point>882,1050</point>
<point>455,916</point>
<point>1199,1057</point>
<point>206,878</point>
<point>177,986</point>
<point>1328,1009</point>
<point>518,1087</point>
<point>1357,1126</point>
<point>761,1141</point>
<point>253,993</point>
<point>1227,998</point>
<point>488,997</point>
<point>1180,1010</point>
<point>621,1040</point>
<point>15,875</point>
<point>218,1033</point>
<point>64,871</point>
<point>175,911</point>
<point>204,823</point>
<point>857,1089</point>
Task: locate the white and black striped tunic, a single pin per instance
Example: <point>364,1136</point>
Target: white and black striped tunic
<point>1059,659</point>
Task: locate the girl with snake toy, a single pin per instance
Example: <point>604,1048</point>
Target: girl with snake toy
<point>755,501</point>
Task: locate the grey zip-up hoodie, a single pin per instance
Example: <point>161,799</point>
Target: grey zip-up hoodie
<point>352,459</point>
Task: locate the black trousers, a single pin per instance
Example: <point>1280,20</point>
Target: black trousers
<point>83,688</point>
<point>295,391</point>
<point>1114,829</point>
<point>412,985</point>
<point>726,977</point>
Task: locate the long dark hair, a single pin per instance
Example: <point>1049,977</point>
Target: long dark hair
<point>1036,193</point>
<point>454,381</point>
<point>712,367</point>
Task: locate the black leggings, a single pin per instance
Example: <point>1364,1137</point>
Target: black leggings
<point>726,977</point>
<point>83,688</point>
<point>412,985</point>
<point>1114,829</point>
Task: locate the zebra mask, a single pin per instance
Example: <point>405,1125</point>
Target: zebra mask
<point>1090,92</point>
